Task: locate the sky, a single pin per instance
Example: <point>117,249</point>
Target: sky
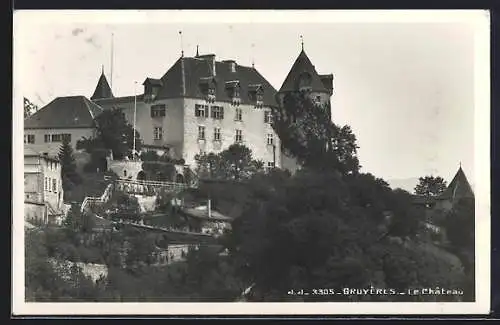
<point>405,88</point>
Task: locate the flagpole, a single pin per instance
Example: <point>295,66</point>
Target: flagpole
<point>135,112</point>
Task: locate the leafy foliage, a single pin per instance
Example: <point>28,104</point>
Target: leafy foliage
<point>319,230</point>
<point>308,134</point>
<point>113,133</point>
<point>29,108</point>
<point>234,163</point>
<point>430,186</point>
<point>70,176</point>
<point>158,168</point>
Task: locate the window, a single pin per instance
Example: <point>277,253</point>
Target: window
<point>270,139</point>
<point>201,110</point>
<point>158,110</point>
<point>48,184</point>
<point>239,136</point>
<point>268,117</point>
<point>56,137</point>
<point>46,138</point>
<point>239,114</point>
<point>217,134</point>
<point>29,138</point>
<point>201,132</point>
<point>318,99</point>
<point>66,136</point>
<point>45,184</point>
<point>54,185</point>
<point>270,164</point>
<point>158,133</point>
<point>218,112</point>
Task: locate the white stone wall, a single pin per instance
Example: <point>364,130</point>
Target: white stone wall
<point>125,168</point>
<point>254,131</point>
<point>39,176</point>
<point>52,171</point>
<point>53,147</point>
<point>171,123</point>
<point>35,212</point>
<point>180,127</point>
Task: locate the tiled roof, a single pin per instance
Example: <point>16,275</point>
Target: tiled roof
<point>102,90</point>
<point>154,82</point>
<point>195,69</point>
<point>65,112</point>
<point>458,188</point>
<point>30,152</point>
<point>302,66</point>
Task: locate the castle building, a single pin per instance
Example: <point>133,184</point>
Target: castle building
<point>459,188</point>
<point>303,77</point>
<point>201,105</point>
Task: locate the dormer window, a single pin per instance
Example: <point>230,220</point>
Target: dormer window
<point>233,90</point>
<point>207,89</point>
<point>256,95</point>
<point>151,89</point>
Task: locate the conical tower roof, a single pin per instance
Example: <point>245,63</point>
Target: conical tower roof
<point>301,67</point>
<point>458,188</point>
<point>102,90</point>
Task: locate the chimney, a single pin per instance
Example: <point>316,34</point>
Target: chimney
<point>232,65</point>
<point>210,58</point>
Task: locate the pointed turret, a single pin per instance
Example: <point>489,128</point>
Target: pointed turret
<point>303,75</point>
<point>102,90</point>
<point>459,188</point>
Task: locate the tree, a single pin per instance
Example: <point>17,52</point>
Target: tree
<point>342,220</point>
<point>158,168</point>
<point>29,108</point>
<point>307,133</point>
<point>430,186</point>
<point>234,163</point>
<point>460,224</point>
<point>69,174</point>
<point>113,133</point>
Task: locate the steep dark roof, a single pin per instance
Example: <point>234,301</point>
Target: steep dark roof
<point>65,112</point>
<point>102,90</point>
<point>302,65</point>
<point>153,82</point>
<point>458,188</point>
<point>175,84</point>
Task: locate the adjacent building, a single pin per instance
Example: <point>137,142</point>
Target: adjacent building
<point>459,188</point>
<point>69,117</point>
<point>43,192</point>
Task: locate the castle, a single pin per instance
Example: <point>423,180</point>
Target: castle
<point>199,105</point>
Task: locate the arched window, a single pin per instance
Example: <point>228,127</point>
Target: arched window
<point>141,176</point>
<point>179,178</point>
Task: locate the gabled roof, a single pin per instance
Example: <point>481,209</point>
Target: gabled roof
<point>458,188</point>
<point>102,90</point>
<point>153,82</point>
<point>30,152</point>
<point>187,84</point>
<point>302,65</point>
<point>65,113</point>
